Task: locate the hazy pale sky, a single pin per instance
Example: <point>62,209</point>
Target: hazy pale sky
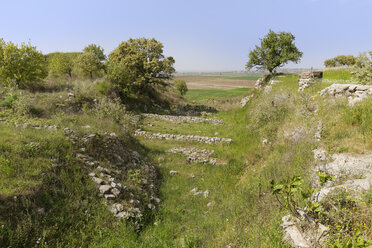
<point>203,35</point>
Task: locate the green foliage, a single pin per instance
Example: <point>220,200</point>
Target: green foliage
<point>346,218</point>
<point>181,86</point>
<point>9,100</point>
<point>88,63</point>
<point>113,109</point>
<point>341,60</point>
<point>363,68</point>
<point>21,66</point>
<point>139,63</point>
<point>61,63</point>
<point>97,50</point>
<point>276,50</point>
<point>103,87</point>
<point>357,241</point>
<point>323,177</point>
<point>287,192</point>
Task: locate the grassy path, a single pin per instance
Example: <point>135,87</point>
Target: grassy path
<point>229,215</point>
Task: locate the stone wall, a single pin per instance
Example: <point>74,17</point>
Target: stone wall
<point>180,137</point>
<point>191,119</point>
<point>306,79</point>
<point>354,92</point>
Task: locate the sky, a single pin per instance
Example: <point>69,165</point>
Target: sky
<point>201,35</point>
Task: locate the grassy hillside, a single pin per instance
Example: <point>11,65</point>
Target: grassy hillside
<point>338,75</point>
<point>48,200</point>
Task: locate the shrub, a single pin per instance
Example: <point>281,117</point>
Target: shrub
<point>9,100</point>
<point>103,88</point>
<point>363,68</point>
<point>113,109</point>
<point>181,86</point>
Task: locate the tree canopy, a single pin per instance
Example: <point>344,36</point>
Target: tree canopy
<point>341,60</point>
<point>88,63</point>
<point>139,63</point>
<point>61,63</point>
<point>21,66</point>
<point>276,50</point>
<point>97,50</point>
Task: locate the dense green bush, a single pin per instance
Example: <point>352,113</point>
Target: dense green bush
<point>363,68</point>
<point>181,86</point>
<point>21,66</point>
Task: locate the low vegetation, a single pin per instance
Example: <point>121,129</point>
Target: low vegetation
<point>48,199</point>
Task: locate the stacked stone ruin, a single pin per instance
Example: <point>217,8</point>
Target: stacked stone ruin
<point>354,92</point>
<point>306,79</point>
<point>191,119</point>
<point>180,137</point>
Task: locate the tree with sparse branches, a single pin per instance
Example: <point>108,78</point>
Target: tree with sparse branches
<point>276,50</point>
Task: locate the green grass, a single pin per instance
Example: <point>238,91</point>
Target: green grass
<point>243,211</point>
<point>198,95</point>
<point>340,74</point>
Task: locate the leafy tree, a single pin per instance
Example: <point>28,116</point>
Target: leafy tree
<point>329,63</point>
<point>139,63</point>
<point>276,50</point>
<point>61,63</point>
<point>363,68</point>
<point>181,86</point>
<point>341,60</point>
<point>97,50</point>
<point>88,63</point>
<point>21,66</point>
